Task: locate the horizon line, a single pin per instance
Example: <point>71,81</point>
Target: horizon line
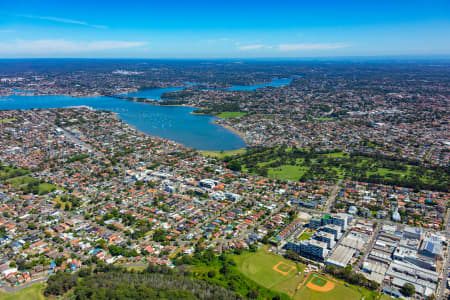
<point>396,56</point>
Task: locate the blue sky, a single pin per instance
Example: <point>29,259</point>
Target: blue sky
<point>223,29</point>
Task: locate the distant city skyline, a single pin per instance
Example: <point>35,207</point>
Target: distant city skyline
<point>231,29</point>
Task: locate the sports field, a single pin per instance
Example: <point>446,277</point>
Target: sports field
<point>318,287</point>
<point>319,281</point>
<point>270,270</point>
<point>231,114</point>
<point>279,274</point>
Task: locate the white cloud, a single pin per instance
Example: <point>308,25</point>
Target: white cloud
<point>63,20</point>
<point>251,47</point>
<point>61,47</point>
<point>304,47</point>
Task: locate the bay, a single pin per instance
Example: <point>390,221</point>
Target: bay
<point>170,122</point>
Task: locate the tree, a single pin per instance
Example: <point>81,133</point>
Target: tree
<point>253,294</point>
<point>22,265</point>
<point>212,274</point>
<point>139,184</point>
<point>431,297</point>
<point>408,289</point>
<point>234,165</point>
<point>84,272</point>
<point>60,283</point>
<point>225,270</point>
<point>159,235</point>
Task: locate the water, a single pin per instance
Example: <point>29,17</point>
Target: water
<point>174,123</point>
<point>154,94</point>
<point>170,122</point>
<point>274,83</point>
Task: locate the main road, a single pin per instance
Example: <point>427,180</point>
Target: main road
<point>69,136</point>
<point>443,285</point>
<point>332,197</point>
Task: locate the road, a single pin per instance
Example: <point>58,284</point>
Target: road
<point>443,285</point>
<point>332,197</point>
<point>208,220</point>
<point>369,247</point>
<point>10,290</point>
<point>379,221</point>
<point>70,136</point>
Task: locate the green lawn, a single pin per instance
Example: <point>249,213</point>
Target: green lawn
<point>300,164</point>
<point>45,188</point>
<point>236,280</point>
<point>4,121</point>
<point>258,266</point>
<point>33,292</point>
<point>18,178</point>
<point>319,281</point>
<point>231,114</point>
<point>287,172</point>
<point>304,236</point>
<point>340,291</point>
<point>222,154</point>
<point>336,154</point>
<point>8,172</point>
<point>136,268</point>
<point>18,181</point>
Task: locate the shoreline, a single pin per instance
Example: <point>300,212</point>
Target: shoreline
<point>155,103</point>
<point>176,105</point>
<point>149,102</point>
<point>235,131</point>
<point>117,116</point>
<point>183,86</point>
<point>200,114</point>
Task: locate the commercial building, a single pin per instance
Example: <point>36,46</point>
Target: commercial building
<point>431,247</point>
<point>341,220</point>
<point>424,281</point>
<point>325,237</point>
<point>341,256</point>
<point>411,256</point>
<point>414,233</point>
<point>311,249</point>
<point>315,222</point>
<point>335,230</point>
<point>314,249</point>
